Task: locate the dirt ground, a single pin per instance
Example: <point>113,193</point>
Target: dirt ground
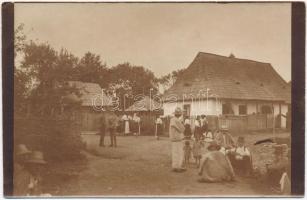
<point>142,166</point>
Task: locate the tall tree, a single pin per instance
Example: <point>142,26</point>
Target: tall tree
<point>91,69</point>
<point>127,81</point>
<point>49,72</point>
<point>168,80</point>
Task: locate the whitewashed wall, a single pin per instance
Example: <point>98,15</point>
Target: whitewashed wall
<point>197,107</point>
<point>215,107</point>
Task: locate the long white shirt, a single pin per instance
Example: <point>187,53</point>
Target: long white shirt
<point>187,121</point>
<point>240,152</point>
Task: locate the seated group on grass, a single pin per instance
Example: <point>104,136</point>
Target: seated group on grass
<point>218,158</point>
<point>221,157</point>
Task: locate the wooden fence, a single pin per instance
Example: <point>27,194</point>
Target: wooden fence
<point>246,123</point>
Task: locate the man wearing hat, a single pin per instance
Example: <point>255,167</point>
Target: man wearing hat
<point>215,166</point>
<point>21,174</point>
<point>35,164</point>
<point>176,136</point>
<point>240,157</point>
<point>225,140</point>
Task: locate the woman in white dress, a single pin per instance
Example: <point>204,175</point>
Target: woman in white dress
<point>126,124</point>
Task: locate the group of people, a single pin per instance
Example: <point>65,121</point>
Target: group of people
<point>216,154</point>
<point>131,125</point>
<point>112,124</point>
<point>28,168</point>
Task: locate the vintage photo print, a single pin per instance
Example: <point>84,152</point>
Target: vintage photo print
<point>153,99</point>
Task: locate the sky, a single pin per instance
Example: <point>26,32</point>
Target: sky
<point>163,36</point>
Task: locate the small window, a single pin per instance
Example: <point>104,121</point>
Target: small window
<point>242,109</point>
<point>226,109</point>
<point>266,109</point>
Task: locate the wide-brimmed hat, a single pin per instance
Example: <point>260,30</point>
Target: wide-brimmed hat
<point>214,145</point>
<point>22,149</point>
<point>178,111</point>
<point>36,157</point>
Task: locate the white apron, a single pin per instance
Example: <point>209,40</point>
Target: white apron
<point>177,155</point>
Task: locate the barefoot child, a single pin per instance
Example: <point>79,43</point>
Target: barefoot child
<point>187,152</point>
<point>198,144</point>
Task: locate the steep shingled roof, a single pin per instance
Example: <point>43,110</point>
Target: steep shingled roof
<point>230,78</point>
<point>89,92</point>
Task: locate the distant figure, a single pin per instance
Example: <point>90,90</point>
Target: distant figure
<point>187,153</point>
<point>36,166</point>
<point>102,131</point>
<point>112,127</point>
<point>159,127</point>
<point>187,128</point>
<point>136,120</point>
<point>197,130</point>
<point>215,166</point>
<point>240,158</point>
<point>21,175</point>
<point>204,124</point>
<point>176,135</point>
<point>196,149</point>
<point>225,140</point>
<point>125,119</point>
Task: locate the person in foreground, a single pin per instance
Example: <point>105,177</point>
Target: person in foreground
<point>215,166</point>
<point>240,158</point>
<point>176,136</point>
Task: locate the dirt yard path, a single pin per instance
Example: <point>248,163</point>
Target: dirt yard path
<point>141,166</point>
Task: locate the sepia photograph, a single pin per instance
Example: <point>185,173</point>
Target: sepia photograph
<point>152,99</point>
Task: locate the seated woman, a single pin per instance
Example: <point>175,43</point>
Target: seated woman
<point>240,158</point>
<point>215,166</point>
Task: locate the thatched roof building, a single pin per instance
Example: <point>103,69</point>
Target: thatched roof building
<point>89,93</point>
<point>231,78</point>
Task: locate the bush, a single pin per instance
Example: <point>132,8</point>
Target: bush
<point>58,139</point>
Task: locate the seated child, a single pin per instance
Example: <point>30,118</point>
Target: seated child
<point>198,144</point>
<point>187,152</point>
<point>208,136</point>
<point>240,157</point>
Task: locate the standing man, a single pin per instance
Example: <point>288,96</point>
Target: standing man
<point>159,127</point>
<point>112,127</point>
<point>176,136</point>
<point>136,124</point>
<point>102,131</point>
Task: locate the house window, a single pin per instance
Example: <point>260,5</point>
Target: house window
<point>226,109</point>
<point>242,109</point>
<point>187,109</point>
<point>266,109</point>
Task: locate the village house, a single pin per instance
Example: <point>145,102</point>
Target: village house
<point>93,101</point>
<point>218,85</point>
